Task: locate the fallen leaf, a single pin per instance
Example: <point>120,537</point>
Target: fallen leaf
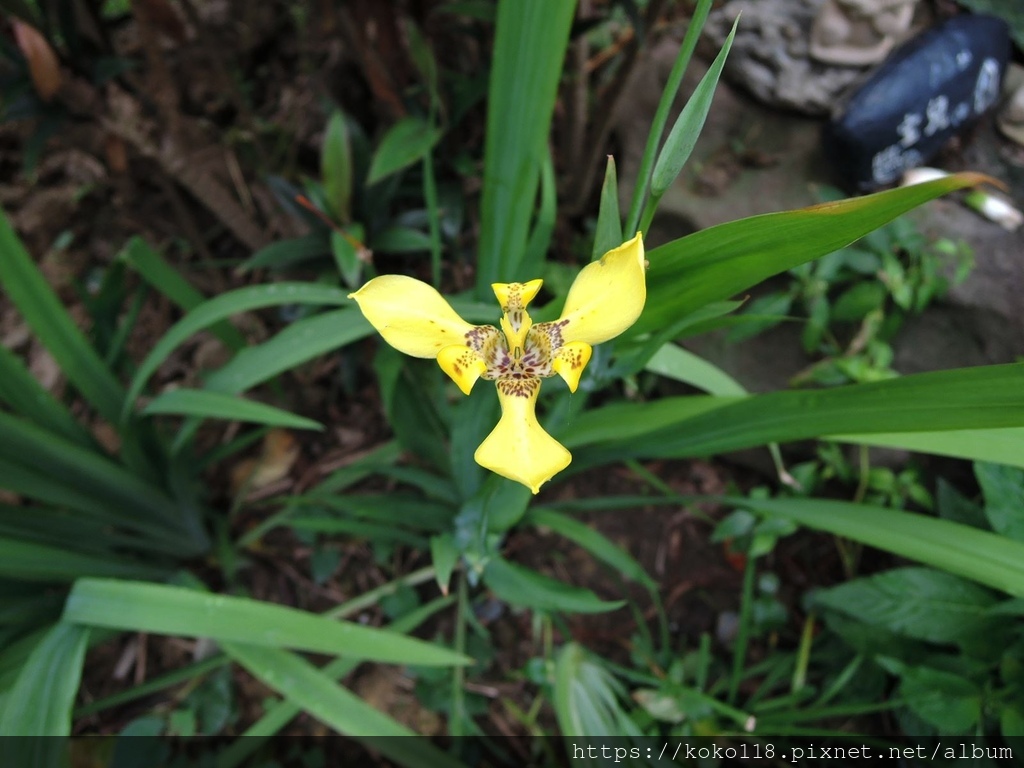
<point>277,456</point>
<point>43,66</point>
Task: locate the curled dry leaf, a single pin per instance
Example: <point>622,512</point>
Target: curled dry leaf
<point>279,451</point>
<point>43,66</point>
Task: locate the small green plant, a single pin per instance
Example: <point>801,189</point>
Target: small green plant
<point>952,647</point>
<point>855,300</point>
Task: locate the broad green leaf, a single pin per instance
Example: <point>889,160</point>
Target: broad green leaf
<point>28,290</point>
<point>1003,488</point>
<point>967,398</point>
<point>719,262</point>
<point>141,607</point>
<point>298,343</point>
<point>310,688</point>
<point>521,586</point>
<point>943,699</point>
<point>594,542</point>
<point>608,232</point>
<point>217,405</point>
<point>154,269</point>
<point>29,561</point>
<point>982,556</point>
<point>921,603</point>
<point>529,50</point>
<point>684,134</point>
<point>336,168</point>
<point>220,308</point>
<point>1000,446</point>
<point>405,142</point>
<point>45,689</point>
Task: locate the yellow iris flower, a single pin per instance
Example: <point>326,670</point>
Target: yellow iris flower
<point>606,298</point>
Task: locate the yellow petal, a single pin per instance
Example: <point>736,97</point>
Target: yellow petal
<point>410,315</point>
<point>607,296</point>
<point>463,365</point>
<point>519,448</point>
<point>516,295</point>
<point>570,361</point>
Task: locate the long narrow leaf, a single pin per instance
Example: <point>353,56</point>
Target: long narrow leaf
<point>300,342</point>
<point>308,687</point>
<point>592,541</point>
<point>168,610</point>
<point>26,397</point>
<point>608,231</point>
<point>961,549</point>
<point>1000,446</point>
<point>985,397</point>
<point>38,304</point>
<point>684,134</point>
<point>529,49</point>
<point>155,270</point>
<point>21,441</point>
<point>44,691</point>
<point>217,405</point>
<point>721,261</point>
<point>220,308</point>
<point>277,715</point>
<point>28,561</point>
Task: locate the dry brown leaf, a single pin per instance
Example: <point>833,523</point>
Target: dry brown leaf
<point>116,153</point>
<point>279,452</point>
<point>43,66</point>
